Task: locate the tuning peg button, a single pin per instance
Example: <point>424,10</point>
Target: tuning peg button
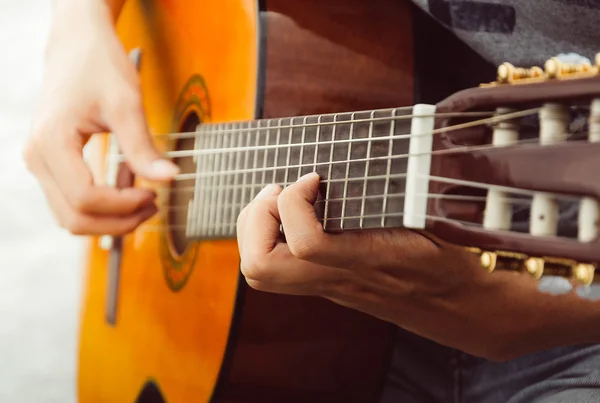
<point>584,274</point>
<point>535,267</point>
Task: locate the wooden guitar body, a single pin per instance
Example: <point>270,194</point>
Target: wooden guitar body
<point>186,328</point>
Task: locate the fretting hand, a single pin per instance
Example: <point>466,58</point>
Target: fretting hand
<point>437,291</point>
<point>91,86</point>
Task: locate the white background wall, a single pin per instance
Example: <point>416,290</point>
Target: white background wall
<point>40,264</point>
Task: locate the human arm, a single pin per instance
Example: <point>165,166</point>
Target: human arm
<point>438,292</point>
<point>91,86</point>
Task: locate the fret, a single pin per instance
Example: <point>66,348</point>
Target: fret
<point>253,191</point>
<point>363,203</point>
<point>263,181</point>
<point>238,160</point>
<point>388,169</point>
<point>214,186</point>
<point>301,158</point>
<point>193,210</point>
<point>289,153</point>
<point>206,186</point>
<point>331,157</point>
<point>245,175</point>
<point>282,157</point>
<point>276,158</point>
<point>347,176</point>
<point>220,205</point>
<point>317,137</point>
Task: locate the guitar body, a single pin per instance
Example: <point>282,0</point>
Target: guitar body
<point>186,328</point>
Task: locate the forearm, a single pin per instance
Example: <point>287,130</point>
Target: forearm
<point>546,321</point>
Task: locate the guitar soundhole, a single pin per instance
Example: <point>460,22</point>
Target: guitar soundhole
<point>181,191</point>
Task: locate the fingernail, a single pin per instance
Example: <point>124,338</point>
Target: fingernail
<point>266,191</point>
<point>164,168</point>
<point>304,177</point>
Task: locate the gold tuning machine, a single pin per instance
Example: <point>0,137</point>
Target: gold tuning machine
<point>536,267</point>
<point>554,69</point>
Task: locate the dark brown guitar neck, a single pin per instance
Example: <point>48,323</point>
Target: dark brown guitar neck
<point>361,158</point>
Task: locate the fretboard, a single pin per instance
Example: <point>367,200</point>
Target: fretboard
<point>361,158</point>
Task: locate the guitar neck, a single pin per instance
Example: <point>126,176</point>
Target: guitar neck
<point>368,179</point>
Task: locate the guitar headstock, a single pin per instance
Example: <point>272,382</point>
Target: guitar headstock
<point>522,187</point>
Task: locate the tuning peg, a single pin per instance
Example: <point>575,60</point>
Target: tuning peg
<point>508,73</point>
<point>535,267</point>
<point>488,261</point>
<point>584,274</point>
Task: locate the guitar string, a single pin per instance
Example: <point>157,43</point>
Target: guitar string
<point>439,196</point>
<point>118,157</point>
<point>214,128</point>
<point>370,178</point>
<point>163,228</point>
<point>433,178</point>
<point>384,138</point>
<point>190,176</point>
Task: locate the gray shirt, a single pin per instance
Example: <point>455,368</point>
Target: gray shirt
<point>522,32</point>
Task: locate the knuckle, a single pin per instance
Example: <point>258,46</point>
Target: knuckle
<point>75,224</point>
<point>254,267</point>
<point>256,285</point>
<point>305,248</point>
<point>81,200</point>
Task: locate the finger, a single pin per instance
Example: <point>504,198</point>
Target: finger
<point>304,233</point>
<point>308,241</point>
<point>86,224</point>
<point>63,160</point>
<point>126,118</point>
<point>266,260</point>
<point>269,190</point>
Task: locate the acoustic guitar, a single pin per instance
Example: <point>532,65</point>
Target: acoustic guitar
<point>243,93</point>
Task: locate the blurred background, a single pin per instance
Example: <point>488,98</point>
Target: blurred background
<point>40,264</point>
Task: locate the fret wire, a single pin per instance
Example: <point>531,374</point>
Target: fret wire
<point>255,162</point>
<point>302,147</point>
<point>388,169</point>
<point>347,176</point>
<point>265,157</point>
<point>328,187</point>
<point>206,187</point>
<point>318,136</point>
<point>193,216</point>
<point>246,158</point>
<point>220,201</point>
<point>362,206</point>
<point>289,151</point>
<point>277,152</point>
<point>214,190</point>
<point>238,161</point>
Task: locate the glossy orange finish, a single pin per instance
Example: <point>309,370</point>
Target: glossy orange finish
<point>154,334</point>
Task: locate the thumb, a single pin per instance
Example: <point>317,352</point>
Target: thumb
<point>128,122</point>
